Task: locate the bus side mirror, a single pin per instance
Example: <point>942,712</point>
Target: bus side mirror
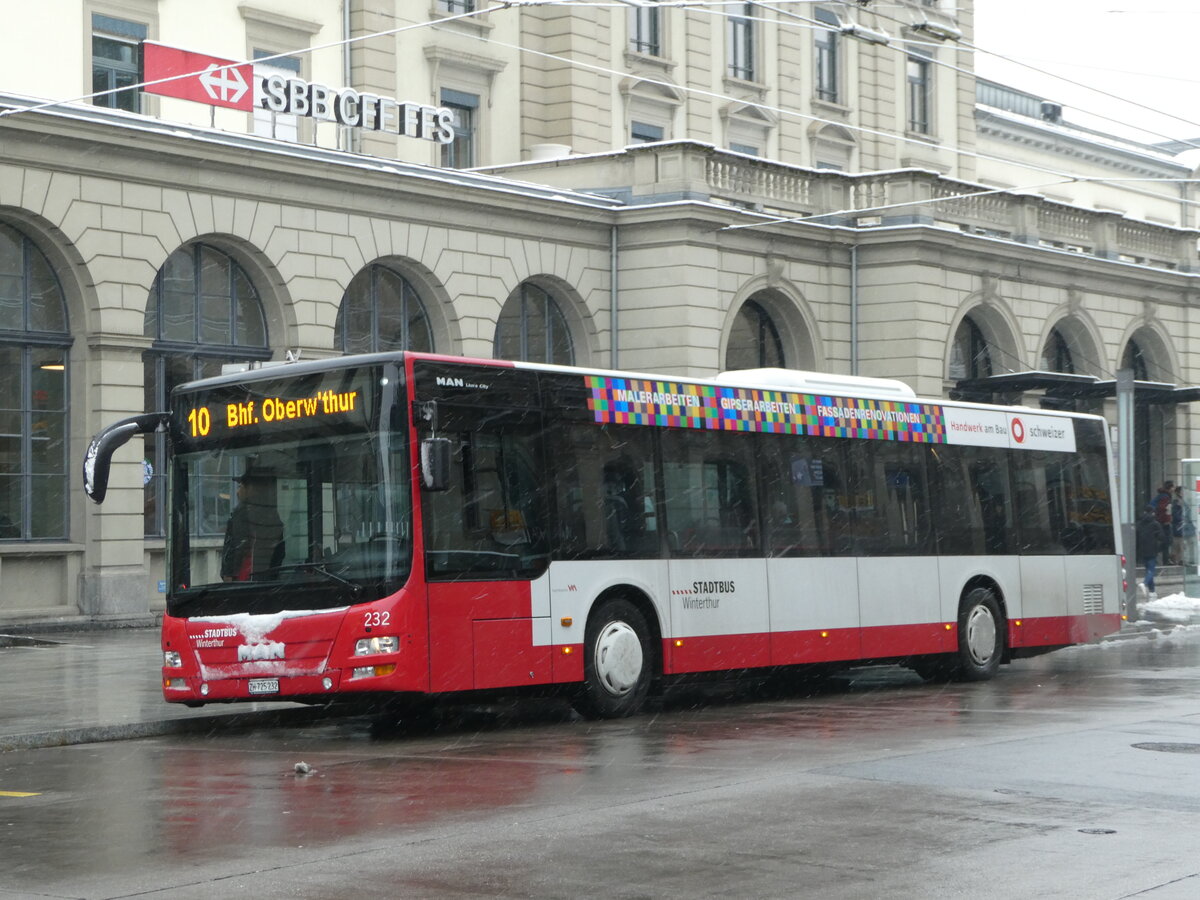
<point>435,464</point>
<point>98,459</point>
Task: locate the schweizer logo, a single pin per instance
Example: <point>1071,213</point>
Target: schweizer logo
<point>1018,430</point>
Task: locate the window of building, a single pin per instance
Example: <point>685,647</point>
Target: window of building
<point>644,133</point>
<point>920,92</point>
<point>34,340</point>
<point>742,48</point>
<point>827,56</point>
<point>203,312</point>
<point>117,62</point>
<point>744,148</point>
<point>644,30</point>
<point>532,328</point>
<point>833,148</point>
<point>969,353</point>
<point>1056,355</point>
<point>269,123</point>
<point>461,152</point>
<point>456,6</point>
<point>380,311</point>
<point>754,340</point>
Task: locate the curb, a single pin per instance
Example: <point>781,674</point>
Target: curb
<point>92,734</point>
<point>75,624</point>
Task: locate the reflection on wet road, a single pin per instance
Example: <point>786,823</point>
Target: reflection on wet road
<point>872,784</point>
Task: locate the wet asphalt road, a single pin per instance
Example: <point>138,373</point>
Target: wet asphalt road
<point>1071,775</point>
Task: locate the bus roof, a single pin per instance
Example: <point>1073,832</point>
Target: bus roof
<point>778,379</point>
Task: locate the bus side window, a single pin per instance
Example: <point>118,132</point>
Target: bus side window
<point>892,514</point>
<point>974,499</point>
<point>605,501</point>
<point>1039,502</point>
<point>800,478</point>
<point>492,518</point>
<point>711,499</point>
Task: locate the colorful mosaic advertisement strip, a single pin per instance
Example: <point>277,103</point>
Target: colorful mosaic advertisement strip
<point>633,401</point>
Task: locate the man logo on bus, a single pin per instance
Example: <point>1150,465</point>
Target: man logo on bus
<point>1018,431</point>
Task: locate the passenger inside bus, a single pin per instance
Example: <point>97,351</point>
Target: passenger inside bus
<point>254,535</point>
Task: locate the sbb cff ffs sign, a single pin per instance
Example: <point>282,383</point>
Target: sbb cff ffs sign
<point>226,82</point>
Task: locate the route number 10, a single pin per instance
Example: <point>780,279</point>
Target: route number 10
<point>201,421</point>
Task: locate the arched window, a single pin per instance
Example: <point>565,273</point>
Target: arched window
<point>1134,358</point>
<point>532,328</point>
<point>1056,355</point>
<point>754,340</point>
<point>1149,426</point>
<point>381,311</point>
<point>203,312</point>
<point>969,353</point>
<point>34,340</point>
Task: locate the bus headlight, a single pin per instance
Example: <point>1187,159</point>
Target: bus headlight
<point>172,659</point>
<point>369,646</point>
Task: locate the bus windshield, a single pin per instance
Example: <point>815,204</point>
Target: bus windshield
<point>279,505</point>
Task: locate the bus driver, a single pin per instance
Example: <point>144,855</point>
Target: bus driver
<point>254,534</point>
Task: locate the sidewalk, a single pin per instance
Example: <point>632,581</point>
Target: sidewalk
<point>77,687</point>
<point>81,686</point>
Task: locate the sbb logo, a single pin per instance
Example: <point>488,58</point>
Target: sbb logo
<point>1018,431</point>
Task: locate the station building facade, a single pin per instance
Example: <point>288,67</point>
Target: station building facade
<point>138,251</point>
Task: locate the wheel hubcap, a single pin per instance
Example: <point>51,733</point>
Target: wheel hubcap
<point>981,635</point>
<point>618,658</point>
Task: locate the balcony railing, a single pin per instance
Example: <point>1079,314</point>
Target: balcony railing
<point>680,170</point>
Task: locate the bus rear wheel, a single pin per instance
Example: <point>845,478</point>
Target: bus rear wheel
<point>980,636</point>
<point>617,662</point>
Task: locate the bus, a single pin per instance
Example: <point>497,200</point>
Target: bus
<point>410,525</point>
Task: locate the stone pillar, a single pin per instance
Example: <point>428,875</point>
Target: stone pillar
<point>114,577</point>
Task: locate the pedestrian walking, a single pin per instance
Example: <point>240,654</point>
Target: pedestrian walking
<point>1186,552</point>
<point>1149,540</point>
<point>1161,505</point>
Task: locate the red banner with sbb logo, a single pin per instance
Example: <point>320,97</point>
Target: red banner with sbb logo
<point>198,77</point>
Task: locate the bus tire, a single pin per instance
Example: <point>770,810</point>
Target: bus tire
<point>980,636</point>
<point>617,662</point>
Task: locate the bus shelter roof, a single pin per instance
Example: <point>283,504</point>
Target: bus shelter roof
<point>1061,390</point>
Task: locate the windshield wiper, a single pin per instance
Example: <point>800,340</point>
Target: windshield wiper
<point>321,569</point>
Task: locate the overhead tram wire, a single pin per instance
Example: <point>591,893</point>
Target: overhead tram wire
<point>703,7</point>
<point>504,4</point>
<point>861,129</point>
<point>432,23</point>
<point>700,6</point>
<point>972,47</point>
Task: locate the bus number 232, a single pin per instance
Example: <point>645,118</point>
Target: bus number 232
<point>377,619</point>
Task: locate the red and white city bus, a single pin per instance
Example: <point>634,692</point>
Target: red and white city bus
<point>413,524</point>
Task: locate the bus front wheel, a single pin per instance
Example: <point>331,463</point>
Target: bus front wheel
<point>617,661</point>
<point>980,636</point>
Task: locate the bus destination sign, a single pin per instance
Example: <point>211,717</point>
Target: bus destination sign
<point>273,409</point>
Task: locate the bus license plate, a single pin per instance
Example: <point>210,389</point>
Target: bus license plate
<point>264,686</point>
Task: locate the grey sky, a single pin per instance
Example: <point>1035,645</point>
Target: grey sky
<point>1143,51</point>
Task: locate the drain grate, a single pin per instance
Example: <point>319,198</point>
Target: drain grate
<point>1163,747</point>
